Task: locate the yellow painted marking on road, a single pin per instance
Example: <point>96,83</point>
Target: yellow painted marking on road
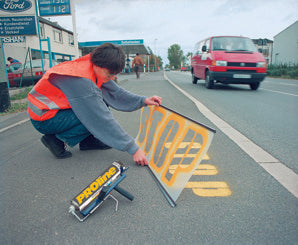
<point>195,145</point>
<point>203,169</point>
<point>206,157</point>
<point>209,189</point>
<point>182,145</point>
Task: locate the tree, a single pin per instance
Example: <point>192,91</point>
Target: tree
<point>188,58</point>
<point>189,54</point>
<point>152,59</point>
<point>175,55</point>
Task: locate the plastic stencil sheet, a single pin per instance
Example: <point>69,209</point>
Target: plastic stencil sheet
<point>175,146</point>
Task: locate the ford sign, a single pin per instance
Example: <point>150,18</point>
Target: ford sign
<point>13,6</point>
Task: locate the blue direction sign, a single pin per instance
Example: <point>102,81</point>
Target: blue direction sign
<point>17,26</point>
<point>54,7</point>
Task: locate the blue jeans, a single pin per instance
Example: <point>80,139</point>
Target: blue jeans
<point>65,125</point>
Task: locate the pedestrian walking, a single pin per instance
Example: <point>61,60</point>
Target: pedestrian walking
<point>138,63</point>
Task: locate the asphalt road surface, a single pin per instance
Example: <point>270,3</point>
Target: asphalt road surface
<point>232,199</point>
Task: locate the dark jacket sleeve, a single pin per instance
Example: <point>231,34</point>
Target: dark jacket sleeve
<point>120,99</point>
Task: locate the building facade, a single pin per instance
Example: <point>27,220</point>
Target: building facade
<point>57,42</point>
<point>285,48</point>
<point>264,46</point>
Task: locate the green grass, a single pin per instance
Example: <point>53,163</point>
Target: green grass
<point>18,107</point>
<point>21,95</point>
<point>283,71</point>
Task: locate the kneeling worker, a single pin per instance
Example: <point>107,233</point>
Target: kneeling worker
<point>69,104</point>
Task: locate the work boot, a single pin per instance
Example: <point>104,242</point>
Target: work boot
<point>91,143</point>
<point>56,146</point>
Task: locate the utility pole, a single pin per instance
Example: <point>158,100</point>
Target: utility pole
<point>75,38</point>
<point>155,53</point>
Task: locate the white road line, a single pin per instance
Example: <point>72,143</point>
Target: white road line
<point>288,84</point>
<point>13,125</point>
<point>284,175</point>
<point>278,92</point>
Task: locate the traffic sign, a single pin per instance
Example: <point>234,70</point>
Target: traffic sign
<point>54,7</point>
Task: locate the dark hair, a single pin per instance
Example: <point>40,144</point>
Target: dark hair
<point>9,58</point>
<point>109,56</point>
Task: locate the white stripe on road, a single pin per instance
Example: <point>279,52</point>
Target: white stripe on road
<point>284,175</point>
<point>288,84</point>
<point>13,125</point>
<point>278,92</point>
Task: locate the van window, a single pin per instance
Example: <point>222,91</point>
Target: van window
<point>201,44</point>
<point>197,49</point>
<point>207,45</point>
<point>232,44</point>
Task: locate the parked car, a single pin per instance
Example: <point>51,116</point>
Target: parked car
<point>167,69</point>
<point>228,60</point>
<point>25,76</point>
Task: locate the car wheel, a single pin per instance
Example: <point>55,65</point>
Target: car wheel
<point>194,78</point>
<point>208,82</point>
<point>254,86</point>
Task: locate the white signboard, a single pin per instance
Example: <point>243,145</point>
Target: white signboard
<point>17,17</point>
<point>175,146</point>
<point>17,7</point>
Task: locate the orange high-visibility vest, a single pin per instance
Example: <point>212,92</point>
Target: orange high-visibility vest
<point>45,100</point>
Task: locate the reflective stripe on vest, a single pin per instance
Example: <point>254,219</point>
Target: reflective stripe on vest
<point>35,109</point>
<point>43,99</point>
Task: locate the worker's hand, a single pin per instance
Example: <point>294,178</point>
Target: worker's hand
<point>140,158</point>
<point>154,100</point>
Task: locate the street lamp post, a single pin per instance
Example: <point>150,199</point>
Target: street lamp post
<point>155,53</point>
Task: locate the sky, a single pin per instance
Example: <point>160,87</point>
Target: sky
<point>162,23</point>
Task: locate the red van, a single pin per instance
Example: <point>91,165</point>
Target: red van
<point>228,60</point>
